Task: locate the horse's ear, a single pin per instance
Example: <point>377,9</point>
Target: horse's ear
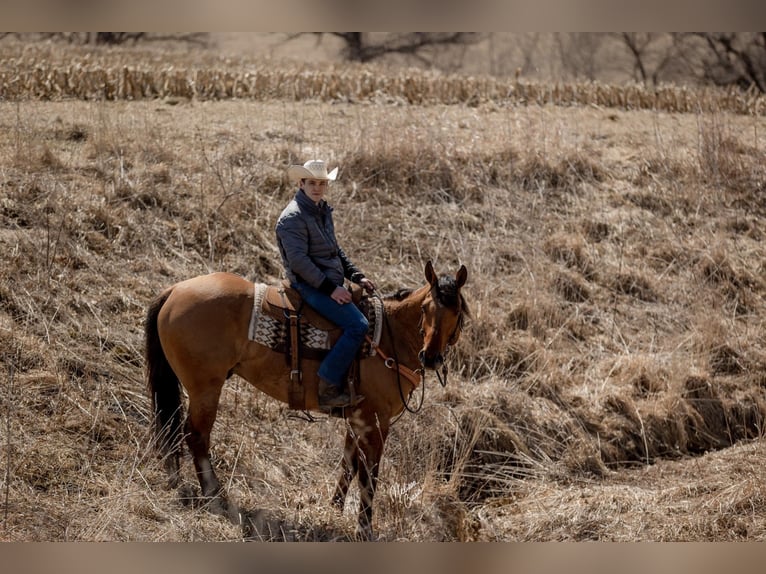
<point>430,273</point>
<point>462,276</point>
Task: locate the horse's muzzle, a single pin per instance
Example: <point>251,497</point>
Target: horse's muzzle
<point>434,361</point>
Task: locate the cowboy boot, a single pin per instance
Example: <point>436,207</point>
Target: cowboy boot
<point>334,396</point>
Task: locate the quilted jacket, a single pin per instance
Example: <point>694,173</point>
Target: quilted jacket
<point>310,252</point>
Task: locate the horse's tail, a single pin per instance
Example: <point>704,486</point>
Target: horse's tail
<point>162,384</point>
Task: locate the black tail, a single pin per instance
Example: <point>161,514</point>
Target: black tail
<point>162,384</point>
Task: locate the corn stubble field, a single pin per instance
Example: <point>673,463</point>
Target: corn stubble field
<point>609,386</point>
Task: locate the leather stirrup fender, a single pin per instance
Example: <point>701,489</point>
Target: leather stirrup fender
<point>296,396</point>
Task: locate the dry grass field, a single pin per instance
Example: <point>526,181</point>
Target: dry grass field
<point>610,385</point>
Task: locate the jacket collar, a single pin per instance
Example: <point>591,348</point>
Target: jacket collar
<point>305,202</point>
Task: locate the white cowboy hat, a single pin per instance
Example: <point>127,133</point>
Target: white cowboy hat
<point>314,169</point>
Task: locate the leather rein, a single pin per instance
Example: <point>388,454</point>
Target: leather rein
<point>415,377</point>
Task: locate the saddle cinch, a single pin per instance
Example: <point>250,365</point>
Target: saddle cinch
<point>284,323</point>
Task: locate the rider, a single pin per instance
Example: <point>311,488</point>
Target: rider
<point>316,267</point>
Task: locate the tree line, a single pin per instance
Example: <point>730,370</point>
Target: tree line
<point>651,58</point>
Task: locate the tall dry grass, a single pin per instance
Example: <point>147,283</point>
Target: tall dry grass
<point>609,385</point>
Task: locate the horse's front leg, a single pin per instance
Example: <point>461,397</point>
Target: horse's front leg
<point>370,451</point>
<point>349,466</point>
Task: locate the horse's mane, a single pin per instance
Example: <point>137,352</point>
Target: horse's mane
<point>447,293</point>
<point>399,295</point>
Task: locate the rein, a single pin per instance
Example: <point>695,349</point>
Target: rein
<point>415,377</point>
<point>412,376</point>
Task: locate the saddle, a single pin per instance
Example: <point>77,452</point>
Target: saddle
<point>283,322</point>
<point>282,300</point>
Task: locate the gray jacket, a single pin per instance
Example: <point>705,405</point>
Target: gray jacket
<point>310,252</point>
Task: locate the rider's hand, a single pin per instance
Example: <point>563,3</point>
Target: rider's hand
<point>368,285</point>
<point>341,295</point>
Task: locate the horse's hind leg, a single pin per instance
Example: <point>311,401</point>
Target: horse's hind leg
<point>173,468</point>
<point>203,407</point>
<point>349,465</point>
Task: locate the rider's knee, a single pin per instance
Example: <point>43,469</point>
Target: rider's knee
<point>360,327</point>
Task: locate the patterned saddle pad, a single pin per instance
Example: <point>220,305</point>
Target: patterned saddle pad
<point>270,325</point>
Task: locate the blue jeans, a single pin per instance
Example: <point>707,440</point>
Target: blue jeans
<point>353,323</point>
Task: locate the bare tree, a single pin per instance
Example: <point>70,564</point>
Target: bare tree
<point>110,38</point>
<point>578,53</point>
<point>513,54</point>
<point>734,58</point>
<point>528,44</point>
<point>637,44</point>
<point>113,38</point>
<point>652,54</point>
<point>367,46</point>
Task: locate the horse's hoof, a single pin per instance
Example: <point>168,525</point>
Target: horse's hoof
<point>221,506</point>
<point>187,495</point>
<point>365,534</point>
<point>258,525</point>
<point>216,505</point>
<point>338,502</point>
<point>233,513</point>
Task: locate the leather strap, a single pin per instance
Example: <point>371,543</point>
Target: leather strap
<point>296,391</point>
<point>412,376</point>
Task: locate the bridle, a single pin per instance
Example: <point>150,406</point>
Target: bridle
<point>415,377</point>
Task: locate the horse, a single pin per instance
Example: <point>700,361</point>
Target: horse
<point>196,336</point>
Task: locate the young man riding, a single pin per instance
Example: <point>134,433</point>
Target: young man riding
<point>316,267</point>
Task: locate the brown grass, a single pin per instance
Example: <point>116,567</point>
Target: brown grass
<point>610,384</point>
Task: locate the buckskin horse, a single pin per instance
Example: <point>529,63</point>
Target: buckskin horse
<point>197,335</point>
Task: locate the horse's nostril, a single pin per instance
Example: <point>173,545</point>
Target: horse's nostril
<point>430,362</point>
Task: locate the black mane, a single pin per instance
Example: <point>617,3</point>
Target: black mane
<point>400,294</point>
<point>446,293</point>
